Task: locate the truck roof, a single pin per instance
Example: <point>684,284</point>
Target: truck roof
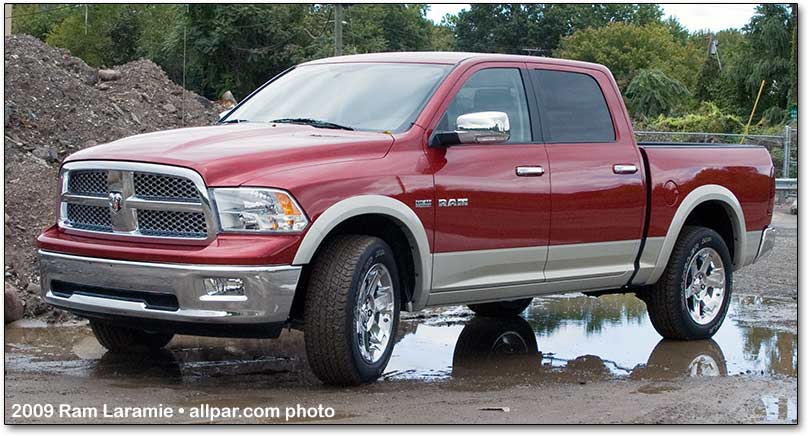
<point>449,58</point>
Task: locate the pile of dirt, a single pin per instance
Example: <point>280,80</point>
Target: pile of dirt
<point>55,105</point>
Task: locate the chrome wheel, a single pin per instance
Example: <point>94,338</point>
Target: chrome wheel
<point>375,305</point>
<point>704,286</point>
<point>704,366</point>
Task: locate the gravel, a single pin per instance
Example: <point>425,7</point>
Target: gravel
<point>55,104</point>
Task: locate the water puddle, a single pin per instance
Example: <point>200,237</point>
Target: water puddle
<point>573,339</point>
<point>585,338</point>
<point>779,409</point>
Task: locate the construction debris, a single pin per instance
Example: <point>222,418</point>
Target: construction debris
<point>55,105</point>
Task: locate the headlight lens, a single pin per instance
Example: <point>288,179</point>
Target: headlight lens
<point>258,210</point>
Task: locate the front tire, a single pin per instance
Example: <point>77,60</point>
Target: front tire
<point>124,340</point>
<point>692,297</point>
<point>501,308</point>
<point>352,310</point>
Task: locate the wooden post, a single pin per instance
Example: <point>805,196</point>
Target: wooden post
<point>7,25</point>
<point>338,29</point>
<point>746,130</point>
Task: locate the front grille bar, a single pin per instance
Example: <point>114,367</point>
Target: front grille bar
<point>176,199</point>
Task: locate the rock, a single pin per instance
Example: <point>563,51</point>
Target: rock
<point>91,143</point>
<point>109,75</point>
<point>227,100</point>
<point>13,308</point>
<point>118,109</point>
<point>8,111</point>
<point>170,108</point>
<point>33,288</point>
<point>103,86</point>
<point>48,154</point>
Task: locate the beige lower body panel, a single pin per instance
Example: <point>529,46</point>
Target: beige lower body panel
<point>506,274</point>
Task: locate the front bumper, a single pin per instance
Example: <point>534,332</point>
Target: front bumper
<point>166,294</point>
<point>766,242</point>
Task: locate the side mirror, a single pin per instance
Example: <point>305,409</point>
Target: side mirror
<point>477,128</point>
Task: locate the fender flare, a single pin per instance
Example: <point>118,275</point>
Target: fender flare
<point>696,197</point>
<point>377,205</point>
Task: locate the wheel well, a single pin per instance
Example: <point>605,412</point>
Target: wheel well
<point>381,226</point>
<point>715,215</point>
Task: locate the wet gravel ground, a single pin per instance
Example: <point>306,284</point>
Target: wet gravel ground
<point>566,359</point>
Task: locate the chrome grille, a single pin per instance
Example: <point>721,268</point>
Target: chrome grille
<point>129,199</point>
<point>92,182</point>
<point>162,187</point>
<point>93,218</point>
<point>171,223</point>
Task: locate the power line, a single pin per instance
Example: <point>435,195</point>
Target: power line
<point>46,11</point>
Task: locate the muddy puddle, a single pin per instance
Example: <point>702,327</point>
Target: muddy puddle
<point>575,339</point>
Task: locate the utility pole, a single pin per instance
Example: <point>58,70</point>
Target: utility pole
<point>8,11</point>
<point>338,29</point>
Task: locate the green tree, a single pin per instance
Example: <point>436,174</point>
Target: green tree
<point>768,57</point>
<point>628,48</point>
<point>651,93</point>
<point>39,19</point>
<point>511,28</point>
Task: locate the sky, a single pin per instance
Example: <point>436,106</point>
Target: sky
<point>712,17</point>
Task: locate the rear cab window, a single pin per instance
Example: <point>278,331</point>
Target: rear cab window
<point>572,108</point>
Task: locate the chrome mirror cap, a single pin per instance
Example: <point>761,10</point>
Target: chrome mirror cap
<point>483,128</point>
<point>476,128</point>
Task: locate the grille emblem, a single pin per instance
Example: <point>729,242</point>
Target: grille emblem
<point>115,202</point>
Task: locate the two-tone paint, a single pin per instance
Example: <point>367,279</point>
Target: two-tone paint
<point>587,223</point>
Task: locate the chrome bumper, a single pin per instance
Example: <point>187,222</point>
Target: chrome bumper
<point>766,242</point>
<point>268,290</point>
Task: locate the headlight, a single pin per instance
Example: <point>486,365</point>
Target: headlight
<point>258,210</point>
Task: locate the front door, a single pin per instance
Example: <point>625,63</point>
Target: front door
<point>492,201</point>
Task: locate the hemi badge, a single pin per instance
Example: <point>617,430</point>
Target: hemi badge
<point>423,203</point>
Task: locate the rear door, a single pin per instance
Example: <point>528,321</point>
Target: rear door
<point>492,219</point>
<point>597,196</point>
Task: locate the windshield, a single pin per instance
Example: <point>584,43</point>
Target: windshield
<point>360,96</point>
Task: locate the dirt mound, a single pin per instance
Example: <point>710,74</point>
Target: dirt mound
<point>55,104</point>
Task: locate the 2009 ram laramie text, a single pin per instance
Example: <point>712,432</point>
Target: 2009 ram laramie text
<point>348,189</point>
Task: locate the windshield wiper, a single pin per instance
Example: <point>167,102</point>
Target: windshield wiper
<point>235,121</point>
<point>312,122</point>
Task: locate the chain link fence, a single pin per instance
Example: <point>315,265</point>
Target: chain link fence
<point>783,148</point>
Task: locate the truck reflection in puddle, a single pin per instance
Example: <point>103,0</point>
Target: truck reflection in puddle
<point>581,338</point>
<point>573,339</point>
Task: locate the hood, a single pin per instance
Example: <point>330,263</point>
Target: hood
<point>232,154</point>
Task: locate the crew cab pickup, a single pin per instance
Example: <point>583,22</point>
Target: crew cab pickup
<point>346,190</point>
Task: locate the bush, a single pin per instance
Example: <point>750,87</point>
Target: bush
<point>651,93</point>
<point>708,118</point>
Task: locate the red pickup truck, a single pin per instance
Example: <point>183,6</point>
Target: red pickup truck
<point>348,189</point>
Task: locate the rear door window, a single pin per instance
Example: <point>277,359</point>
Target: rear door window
<point>572,107</point>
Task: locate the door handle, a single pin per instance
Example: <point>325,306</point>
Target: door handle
<point>533,171</point>
<point>624,168</point>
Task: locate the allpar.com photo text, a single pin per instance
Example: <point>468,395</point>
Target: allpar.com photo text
<point>203,411</point>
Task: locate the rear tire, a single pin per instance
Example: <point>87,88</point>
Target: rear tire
<point>692,297</point>
<point>501,308</point>
<point>350,320</point>
<point>124,340</point>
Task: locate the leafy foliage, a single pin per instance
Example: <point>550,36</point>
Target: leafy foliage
<point>514,27</point>
<point>652,93</point>
<point>708,118</point>
<point>629,48</point>
<point>663,69</point>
